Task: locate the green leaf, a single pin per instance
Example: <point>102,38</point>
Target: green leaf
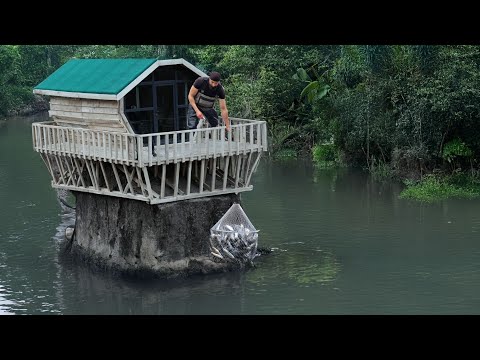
<point>309,89</point>
<point>301,75</point>
<point>323,92</point>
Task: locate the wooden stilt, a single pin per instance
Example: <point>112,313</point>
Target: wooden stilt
<point>105,177</point>
<point>214,174</point>
<point>225,174</point>
<point>202,174</point>
<point>147,181</point>
<point>140,181</point>
<point>189,177</point>
<point>162,185</point>
<point>237,176</point>
<point>177,178</point>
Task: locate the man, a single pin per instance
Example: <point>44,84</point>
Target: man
<point>202,96</point>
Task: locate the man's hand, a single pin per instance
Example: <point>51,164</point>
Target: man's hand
<point>199,114</point>
<point>227,125</point>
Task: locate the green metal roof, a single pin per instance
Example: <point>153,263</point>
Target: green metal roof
<point>96,76</point>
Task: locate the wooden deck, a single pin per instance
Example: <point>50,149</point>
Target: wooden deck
<point>155,168</point>
<point>150,149</point>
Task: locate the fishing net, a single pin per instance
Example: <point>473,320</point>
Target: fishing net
<point>233,237</point>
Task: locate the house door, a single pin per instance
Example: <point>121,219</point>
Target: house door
<point>170,105</point>
<point>165,108</point>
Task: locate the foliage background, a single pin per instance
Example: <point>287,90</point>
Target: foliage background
<point>404,109</point>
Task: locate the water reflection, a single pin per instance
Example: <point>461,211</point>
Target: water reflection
<point>297,265</point>
<point>5,305</point>
<point>88,291</point>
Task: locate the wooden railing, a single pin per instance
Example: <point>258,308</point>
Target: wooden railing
<point>151,149</point>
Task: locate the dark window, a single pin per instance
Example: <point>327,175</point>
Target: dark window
<point>141,121</point>
<point>145,96</point>
<point>181,94</point>
<point>165,108</point>
<point>130,100</point>
<point>182,119</point>
<point>139,97</point>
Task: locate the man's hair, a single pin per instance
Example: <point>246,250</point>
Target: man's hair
<point>215,76</point>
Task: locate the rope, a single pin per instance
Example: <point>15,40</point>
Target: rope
<point>65,203</point>
<point>62,194</point>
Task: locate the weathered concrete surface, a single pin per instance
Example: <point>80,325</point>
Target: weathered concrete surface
<point>136,238</point>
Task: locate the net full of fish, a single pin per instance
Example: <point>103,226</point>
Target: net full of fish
<point>234,238</point>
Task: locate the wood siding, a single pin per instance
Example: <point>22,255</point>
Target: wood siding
<point>100,115</point>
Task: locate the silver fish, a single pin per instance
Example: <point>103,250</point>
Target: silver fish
<point>217,255</point>
<point>228,253</point>
<point>215,250</point>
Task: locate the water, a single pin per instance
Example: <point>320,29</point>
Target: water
<point>343,244</point>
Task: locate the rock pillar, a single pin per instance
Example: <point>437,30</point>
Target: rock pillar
<point>135,237</point>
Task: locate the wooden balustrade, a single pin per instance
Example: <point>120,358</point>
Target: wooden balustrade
<point>156,168</point>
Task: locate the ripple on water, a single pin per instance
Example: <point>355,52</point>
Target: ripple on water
<point>5,305</point>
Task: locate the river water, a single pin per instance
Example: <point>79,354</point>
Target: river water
<point>342,244</point>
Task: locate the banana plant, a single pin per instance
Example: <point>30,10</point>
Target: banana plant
<point>315,90</point>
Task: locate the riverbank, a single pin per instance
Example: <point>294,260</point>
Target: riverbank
<point>432,187</point>
<point>435,188</point>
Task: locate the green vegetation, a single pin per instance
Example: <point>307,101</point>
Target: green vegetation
<point>399,111</point>
<point>454,151</point>
<point>325,155</point>
<point>434,188</point>
<point>380,170</point>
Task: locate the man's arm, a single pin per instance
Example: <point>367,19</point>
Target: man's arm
<point>191,99</point>
<point>224,112</point>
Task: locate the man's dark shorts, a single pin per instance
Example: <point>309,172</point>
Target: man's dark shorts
<point>210,114</point>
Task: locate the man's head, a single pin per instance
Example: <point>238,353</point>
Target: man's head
<point>214,79</point>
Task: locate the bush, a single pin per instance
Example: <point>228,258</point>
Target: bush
<point>324,155</point>
<point>434,188</point>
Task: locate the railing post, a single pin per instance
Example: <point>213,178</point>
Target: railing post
<point>139,140</point>
<point>150,150</point>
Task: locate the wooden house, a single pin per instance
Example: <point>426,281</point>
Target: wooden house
<point>119,127</point>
